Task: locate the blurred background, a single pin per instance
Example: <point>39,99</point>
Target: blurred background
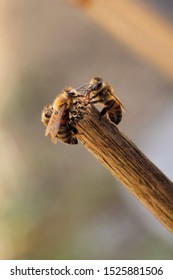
<point>58,201</point>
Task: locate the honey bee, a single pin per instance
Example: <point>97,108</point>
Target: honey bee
<point>60,118</point>
<point>101,92</point>
<point>56,118</point>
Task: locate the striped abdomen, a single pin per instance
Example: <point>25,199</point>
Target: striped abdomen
<point>65,132</point>
<point>115,113</point>
<point>112,109</point>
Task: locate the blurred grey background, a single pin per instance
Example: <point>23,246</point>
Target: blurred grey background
<point>58,201</point>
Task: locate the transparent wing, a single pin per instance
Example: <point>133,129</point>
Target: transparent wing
<point>124,109</point>
<point>54,124</point>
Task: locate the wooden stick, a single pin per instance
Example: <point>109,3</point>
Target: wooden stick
<point>129,165</point>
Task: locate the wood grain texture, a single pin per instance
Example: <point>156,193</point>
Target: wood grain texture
<point>129,165</point>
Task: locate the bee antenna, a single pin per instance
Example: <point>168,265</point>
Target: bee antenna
<point>80,88</point>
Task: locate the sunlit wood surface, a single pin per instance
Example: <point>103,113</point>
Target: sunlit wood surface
<point>129,165</point>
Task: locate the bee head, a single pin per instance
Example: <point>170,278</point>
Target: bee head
<point>71,92</point>
<point>46,114</point>
<point>47,111</point>
<point>96,83</point>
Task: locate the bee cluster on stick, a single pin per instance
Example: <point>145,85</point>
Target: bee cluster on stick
<point>71,105</point>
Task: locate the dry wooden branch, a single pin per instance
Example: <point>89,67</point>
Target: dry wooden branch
<point>129,165</point>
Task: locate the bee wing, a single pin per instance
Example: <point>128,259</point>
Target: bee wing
<point>116,97</point>
<point>54,124</point>
<point>124,109</point>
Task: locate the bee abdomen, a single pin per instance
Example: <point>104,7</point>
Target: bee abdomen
<point>69,139</point>
<point>66,136</point>
<point>115,115</point>
<point>72,140</point>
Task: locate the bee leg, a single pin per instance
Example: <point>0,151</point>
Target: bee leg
<point>73,128</point>
<point>94,96</point>
<point>74,140</point>
<point>94,102</point>
<point>97,101</point>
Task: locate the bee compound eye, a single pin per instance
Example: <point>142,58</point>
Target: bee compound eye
<point>72,93</point>
<point>97,86</point>
<point>48,114</point>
